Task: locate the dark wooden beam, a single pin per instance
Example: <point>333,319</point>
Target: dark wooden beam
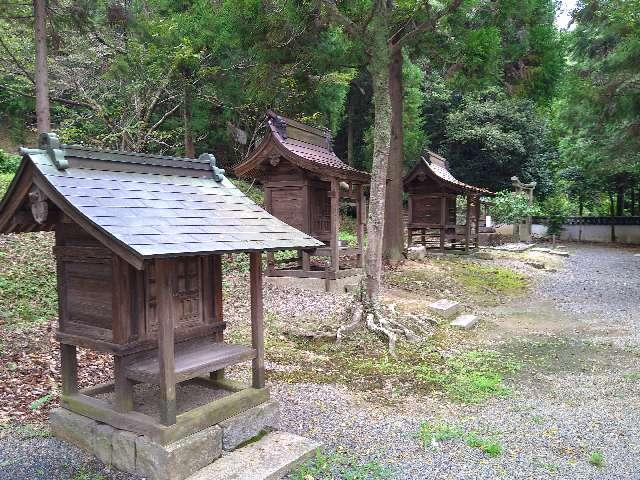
<point>257,318</point>
<point>69,369</point>
<point>166,359</point>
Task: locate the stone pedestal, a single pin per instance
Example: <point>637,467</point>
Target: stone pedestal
<point>133,453</point>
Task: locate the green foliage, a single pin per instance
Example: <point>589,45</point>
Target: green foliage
<point>27,279</point>
<point>511,207</point>
<point>596,459</point>
<point>335,466</point>
<point>478,278</point>
<point>491,447</point>
<point>8,163</point>
<point>36,404</point>
<point>5,181</point>
<point>250,189</point>
<point>556,209</point>
<point>430,434</point>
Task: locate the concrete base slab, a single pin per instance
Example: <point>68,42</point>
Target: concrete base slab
<point>270,458</point>
<point>339,285</point>
<point>416,253</point>
<point>237,430</point>
<point>445,308</point>
<point>466,322</point>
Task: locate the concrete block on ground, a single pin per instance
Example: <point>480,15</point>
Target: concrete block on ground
<point>416,253</point>
<point>466,322</point>
<point>72,428</point>
<point>245,426</point>
<point>180,459</point>
<point>314,284</point>
<point>270,458</point>
<point>124,450</point>
<point>445,308</point>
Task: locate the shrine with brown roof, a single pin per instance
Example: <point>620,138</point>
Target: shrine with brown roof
<point>433,211</point>
<point>304,181</point>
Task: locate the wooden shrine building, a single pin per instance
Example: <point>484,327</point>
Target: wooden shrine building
<point>304,181</point>
<point>138,244</point>
<point>432,210</point>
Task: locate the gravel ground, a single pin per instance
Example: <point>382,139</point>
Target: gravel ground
<point>576,394</point>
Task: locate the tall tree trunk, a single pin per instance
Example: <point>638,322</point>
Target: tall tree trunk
<point>393,243</point>
<point>379,69</point>
<point>634,199</point>
<point>187,117</point>
<point>350,139</point>
<point>620,202</point>
<point>43,116</point>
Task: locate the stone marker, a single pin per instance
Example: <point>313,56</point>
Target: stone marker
<point>270,458</point>
<point>416,253</point>
<point>466,322</point>
<point>445,308</point>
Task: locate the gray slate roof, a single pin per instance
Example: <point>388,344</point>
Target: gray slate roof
<point>164,206</point>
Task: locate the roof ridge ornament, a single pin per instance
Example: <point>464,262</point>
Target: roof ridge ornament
<point>218,173</point>
<point>50,143</point>
<point>281,126</point>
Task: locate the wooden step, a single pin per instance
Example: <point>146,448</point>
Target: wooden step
<point>192,359</point>
<point>270,458</point>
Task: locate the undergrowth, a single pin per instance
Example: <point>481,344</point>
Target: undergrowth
<point>432,434</point>
<point>27,279</point>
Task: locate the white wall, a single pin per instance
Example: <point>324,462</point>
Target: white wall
<point>593,233</point>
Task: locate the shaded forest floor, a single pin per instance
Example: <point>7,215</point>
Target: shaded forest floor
<point>544,387</point>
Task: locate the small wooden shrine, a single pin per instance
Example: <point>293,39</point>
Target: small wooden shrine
<point>138,244</point>
<point>304,182</point>
<point>433,211</point>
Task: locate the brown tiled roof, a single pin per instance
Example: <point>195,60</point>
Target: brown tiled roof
<point>151,205</point>
<point>438,166</point>
<point>306,146</point>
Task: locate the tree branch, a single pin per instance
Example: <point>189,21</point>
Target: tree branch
<point>348,24</point>
<point>64,101</point>
<point>15,60</point>
<point>428,24</point>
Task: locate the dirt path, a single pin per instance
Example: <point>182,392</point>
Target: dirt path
<point>575,396</point>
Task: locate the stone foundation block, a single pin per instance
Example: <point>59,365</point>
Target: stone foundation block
<point>124,450</point>
<point>72,428</point>
<point>180,459</point>
<point>416,253</point>
<point>237,430</point>
<point>101,442</point>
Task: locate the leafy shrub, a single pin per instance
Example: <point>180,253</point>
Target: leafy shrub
<point>556,208</point>
<point>5,180</point>
<point>9,163</point>
<point>511,207</point>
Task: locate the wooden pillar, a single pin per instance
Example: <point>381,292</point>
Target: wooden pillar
<point>335,225</point>
<point>271,262</point>
<point>467,227</point>
<point>443,220</point>
<point>69,369</point>
<point>360,222</point>
<point>123,387</point>
<point>166,353</point>
<point>257,318</point>
<point>218,311</point>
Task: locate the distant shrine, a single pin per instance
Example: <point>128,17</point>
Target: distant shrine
<point>304,182</point>
<point>433,209</point>
<point>138,246</point>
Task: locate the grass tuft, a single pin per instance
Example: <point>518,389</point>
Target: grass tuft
<point>430,434</point>
<point>336,466</point>
<point>491,447</point>
<point>596,459</point>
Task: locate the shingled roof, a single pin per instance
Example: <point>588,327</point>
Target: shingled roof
<point>438,168</point>
<point>305,146</point>
<point>144,206</point>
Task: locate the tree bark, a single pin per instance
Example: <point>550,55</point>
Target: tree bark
<point>379,69</point>
<point>350,132</point>
<point>187,117</point>
<point>634,209</point>
<point>620,202</point>
<point>43,116</point>
<point>393,240</point>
